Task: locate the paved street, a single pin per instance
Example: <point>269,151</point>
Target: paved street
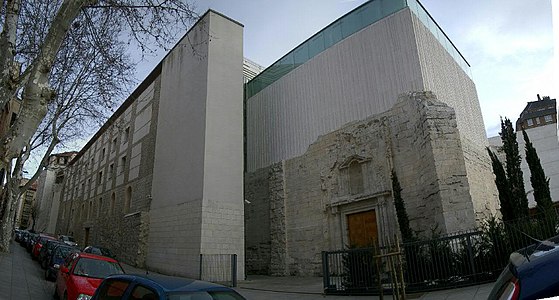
<point>21,278</point>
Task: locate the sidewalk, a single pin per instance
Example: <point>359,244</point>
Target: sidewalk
<point>314,286</point>
<point>21,277</point>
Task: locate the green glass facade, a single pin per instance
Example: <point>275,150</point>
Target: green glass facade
<point>352,22</point>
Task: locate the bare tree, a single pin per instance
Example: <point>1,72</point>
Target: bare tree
<point>66,62</point>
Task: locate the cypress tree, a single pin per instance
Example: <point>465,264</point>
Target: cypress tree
<point>401,214</point>
<point>503,187</point>
<point>514,172</point>
<point>540,184</point>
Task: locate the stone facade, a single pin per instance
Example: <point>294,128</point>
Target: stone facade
<point>299,207</point>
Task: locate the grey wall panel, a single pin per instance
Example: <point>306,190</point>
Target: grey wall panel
<point>358,77</point>
<point>451,84</point>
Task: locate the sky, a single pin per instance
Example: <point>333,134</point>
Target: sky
<point>508,43</point>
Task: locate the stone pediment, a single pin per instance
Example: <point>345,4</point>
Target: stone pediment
<point>354,158</point>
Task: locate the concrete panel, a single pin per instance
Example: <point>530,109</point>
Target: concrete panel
<point>360,76</point>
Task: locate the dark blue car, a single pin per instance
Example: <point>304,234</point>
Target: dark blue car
<point>532,273</point>
<point>155,287</point>
<point>56,259</point>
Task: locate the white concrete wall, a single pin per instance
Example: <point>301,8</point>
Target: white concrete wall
<point>197,193</point>
<point>358,77</point>
<point>544,139</point>
<point>223,206</point>
<point>443,76</point>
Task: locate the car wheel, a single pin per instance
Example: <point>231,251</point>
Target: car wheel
<point>55,295</point>
<point>65,297</point>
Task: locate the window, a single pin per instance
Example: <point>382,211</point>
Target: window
<point>142,292</point>
<point>122,164</point>
<point>127,198</point>
<point>99,207</point>
<point>538,121</point>
<point>113,201</point>
<point>530,122</point>
<point>103,154</point>
<point>548,119</point>
<point>111,170</point>
<point>100,178</point>
<point>355,178</point>
<point>113,148</point>
<point>92,162</point>
<point>90,210</point>
<point>114,289</point>
<point>59,177</point>
<point>126,134</point>
<point>82,212</point>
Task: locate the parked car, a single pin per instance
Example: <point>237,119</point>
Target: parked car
<point>39,243</point>
<point>82,273</point>
<point>155,286</point>
<point>17,234</point>
<point>69,240</point>
<point>57,258</point>
<point>45,252</point>
<point>23,238</point>
<point>30,242</point>
<point>99,251</point>
<point>530,273</point>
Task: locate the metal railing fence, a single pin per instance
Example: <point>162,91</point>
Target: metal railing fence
<point>219,268</point>
<point>444,262</point>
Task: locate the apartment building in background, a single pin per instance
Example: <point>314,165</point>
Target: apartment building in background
<point>539,120</point>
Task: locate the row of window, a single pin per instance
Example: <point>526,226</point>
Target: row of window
<point>90,164</point>
<point>100,179</point>
<point>88,209</point>
<point>537,121</point>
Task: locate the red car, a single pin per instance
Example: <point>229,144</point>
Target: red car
<point>39,244</point>
<point>82,273</point>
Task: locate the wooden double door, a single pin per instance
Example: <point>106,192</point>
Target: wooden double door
<point>362,229</point>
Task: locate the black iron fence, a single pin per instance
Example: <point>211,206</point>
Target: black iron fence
<point>219,268</point>
<point>444,262</point>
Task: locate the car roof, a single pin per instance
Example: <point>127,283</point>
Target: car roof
<point>95,256</point>
<point>171,283</point>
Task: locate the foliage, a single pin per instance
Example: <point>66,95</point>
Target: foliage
<point>503,187</point>
<point>540,183</point>
<point>401,214</point>
<point>514,172</point>
<point>359,269</point>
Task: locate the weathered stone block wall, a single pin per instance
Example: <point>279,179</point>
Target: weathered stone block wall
<point>418,138</point>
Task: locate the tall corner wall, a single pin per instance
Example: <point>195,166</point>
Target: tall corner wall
<point>197,190</point>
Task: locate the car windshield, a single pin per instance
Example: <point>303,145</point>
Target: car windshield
<point>99,251</point>
<point>216,295</point>
<point>62,252</point>
<point>96,268</point>
<point>51,245</point>
<point>67,238</point>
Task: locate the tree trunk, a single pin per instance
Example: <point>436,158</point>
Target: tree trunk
<point>37,92</point>
<point>7,51</point>
<point>7,220</point>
